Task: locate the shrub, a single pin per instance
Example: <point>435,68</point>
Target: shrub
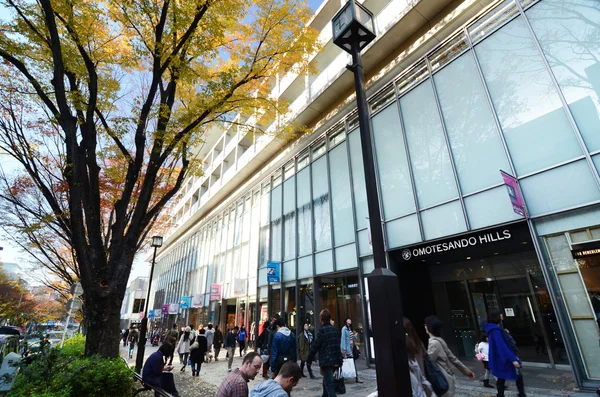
<point>67,372</point>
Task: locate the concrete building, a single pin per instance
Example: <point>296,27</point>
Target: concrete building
<point>134,302</point>
<point>458,90</point>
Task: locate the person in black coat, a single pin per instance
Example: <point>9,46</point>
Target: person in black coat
<point>197,355</point>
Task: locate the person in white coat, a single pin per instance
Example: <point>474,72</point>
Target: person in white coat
<point>183,347</point>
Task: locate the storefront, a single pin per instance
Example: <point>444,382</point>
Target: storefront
<point>461,279</point>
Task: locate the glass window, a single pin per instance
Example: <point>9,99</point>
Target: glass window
<point>337,136</point>
<point>568,32</point>
<point>304,216</point>
<point>305,268</point>
<point>324,262</point>
<point>382,99</point>
<point>343,222</point>
<point>434,179</point>
<point>490,208</point>
<point>474,139</point>
<point>289,271</point>
<point>288,170</point>
<point>318,149</point>
<point>302,160</point>
<point>345,257</point>
<point>444,220</point>
<point>536,128</point>
<point>596,160</point>
<point>322,227</point>
<point>364,243</point>
<point>394,176</point>
<point>276,226</point>
<point>358,180</point>
<point>403,231</point>
<point>289,219</point>
<point>570,184</point>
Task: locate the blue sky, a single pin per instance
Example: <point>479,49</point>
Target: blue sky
<point>314,4</point>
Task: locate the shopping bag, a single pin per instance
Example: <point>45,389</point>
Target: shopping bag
<point>338,382</point>
<point>348,369</point>
<point>434,375</point>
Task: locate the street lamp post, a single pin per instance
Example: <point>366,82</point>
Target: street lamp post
<point>139,360</point>
<point>353,30</point>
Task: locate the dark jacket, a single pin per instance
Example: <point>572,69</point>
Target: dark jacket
<point>304,345</point>
<point>218,339</point>
<point>270,337</point>
<point>284,344</point>
<point>197,355</point>
<point>229,339</point>
<point>327,344</point>
<point>501,356</point>
<point>153,368</point>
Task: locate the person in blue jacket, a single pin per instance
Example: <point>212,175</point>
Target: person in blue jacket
<point>503,360</point>
<point>284,347</point>
<point>152,373</point>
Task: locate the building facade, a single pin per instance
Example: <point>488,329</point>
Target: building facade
<point>134,302</point>
<point>459,90</point>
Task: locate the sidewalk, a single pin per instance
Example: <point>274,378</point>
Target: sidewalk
<point>539,382</point>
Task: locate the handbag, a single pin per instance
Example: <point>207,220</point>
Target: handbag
<point>194,345</point>
<point>348,369</point>
<point>479,356</point>
<point>435,376</point>
<point>355,351</point>
<point>338,382</point>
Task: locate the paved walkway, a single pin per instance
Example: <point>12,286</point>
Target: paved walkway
<point>539,382</point>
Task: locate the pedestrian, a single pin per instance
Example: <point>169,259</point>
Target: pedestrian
<point>503,360</point>
<point>241,337</point>
<point>197,354</point>
<point>263,343</point>
<point>193,333</point>
<point>230,347</point>
<point>133,339</point>
<point>327,345</point>
<point>217,342</point>
<point>210,338</point>
<point>415,351</point>
<point>482,353</point>
<point>235,383</point>
<point>284,347</point>
<point>156,373</point>
<point>282,385</point>
<point>173,332</point>
<point>183,347</point>
<point>304,343</point>
<point>125,334</point>
<point>440,353</point>
<point>347,345</point>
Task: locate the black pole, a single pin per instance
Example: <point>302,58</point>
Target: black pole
<point>139,360</point>
<point>391,362</point>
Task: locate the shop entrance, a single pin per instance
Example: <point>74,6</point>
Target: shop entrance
<point>465,277</point>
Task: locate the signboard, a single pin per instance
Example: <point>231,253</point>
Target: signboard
<point>164,310</point>
<point>510,312</point>
<point>582,250</point>
<point>150,314</point>
<point>50,323</point>
<point>485,237</point>
<point>173,308</point>
<point>198,300</point>
<point>514,193</point>
<point>184,302</point>
<point>74,304</point>
<point>157,313</point>
<point>239,286</point>
<point>215,292</point>
<point>273,272</point>
<point>76,289</point>
<point>141,314</point>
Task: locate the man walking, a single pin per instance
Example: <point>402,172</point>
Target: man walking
<point>327,344</point>
<point>210,337</point>
<point>217,342</point>
<point>284,347</point>
<point>282,385</point>
<point>230,346</point>
<point>236,382</point>
<point>133,338</point>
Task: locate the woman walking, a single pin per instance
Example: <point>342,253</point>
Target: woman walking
<point>183,347</point>
<point>217,342</point>
<point>347,343</point>
<point>440,353</point>
<point>304,344</point>
<point>503,360</point>
<point>482,353</point>
<point>415,350</point>
<point>198,353</point>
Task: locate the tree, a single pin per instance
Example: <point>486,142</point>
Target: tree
<point>106,100</point>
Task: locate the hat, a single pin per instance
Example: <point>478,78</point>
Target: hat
<point>188,329</point>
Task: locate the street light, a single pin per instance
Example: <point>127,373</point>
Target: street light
<point>139,360</point>
<point>353,30</point>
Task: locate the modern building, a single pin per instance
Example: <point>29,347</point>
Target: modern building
<point>134,302</point>
<point>458,90</point>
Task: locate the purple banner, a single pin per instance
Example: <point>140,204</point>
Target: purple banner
<point>165,310</point>
<point>514,193</point>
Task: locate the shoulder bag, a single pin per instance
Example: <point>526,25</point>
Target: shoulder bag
<point>195,344</point>
<point>435,376</point>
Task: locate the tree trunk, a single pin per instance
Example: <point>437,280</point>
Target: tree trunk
<point>103,321</point>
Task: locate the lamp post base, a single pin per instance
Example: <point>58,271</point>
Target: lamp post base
<point>391,365</point>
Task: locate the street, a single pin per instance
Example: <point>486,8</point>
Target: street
<point>539,382</point>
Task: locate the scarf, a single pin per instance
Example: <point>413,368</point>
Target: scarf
<point>308,336</point>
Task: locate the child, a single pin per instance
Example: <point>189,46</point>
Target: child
<point>482,354</point>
